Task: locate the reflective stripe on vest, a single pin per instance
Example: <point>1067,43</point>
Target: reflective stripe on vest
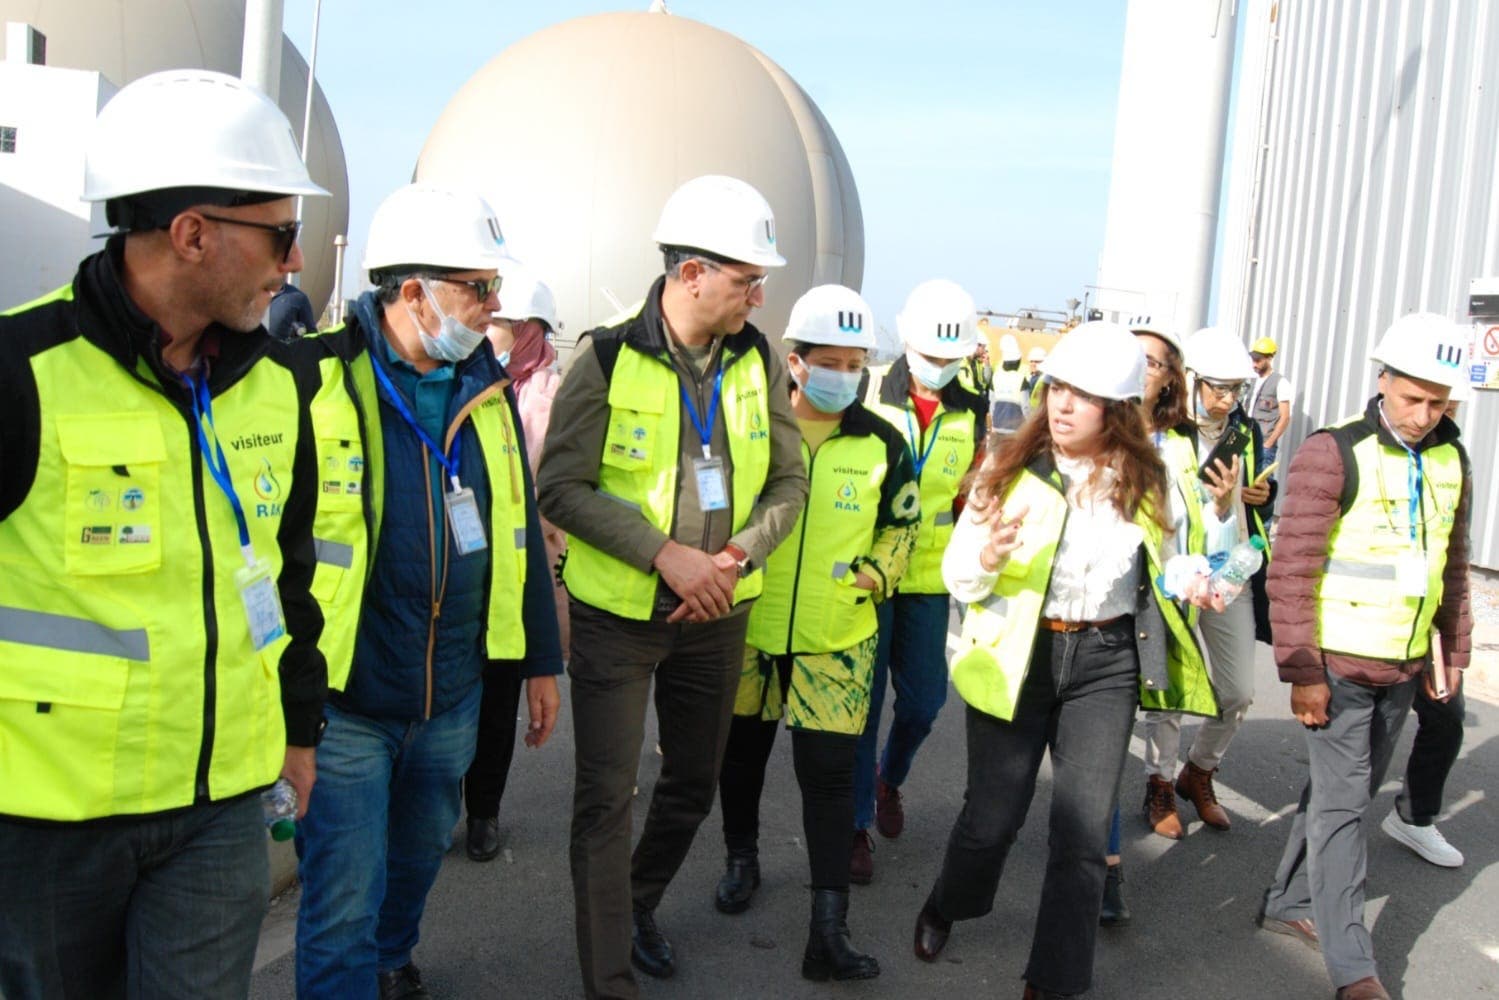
<point>640,462</point>
<point>941,480</point>
<point>999,632</point>
<point>810,603</point>
<point>1360,608</point>
<point>122,692</point>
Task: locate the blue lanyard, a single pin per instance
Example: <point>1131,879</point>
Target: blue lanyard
<point>705,431</point>
<point>449,461</point>
<point>1412,475</point>
<point>213,457</point>
<point>920,460</point>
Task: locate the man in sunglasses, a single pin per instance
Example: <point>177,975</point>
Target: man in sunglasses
<point>676,473</point>
<point>159,664</point>
<point>457,580</point>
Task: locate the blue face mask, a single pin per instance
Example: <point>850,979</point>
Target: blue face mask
<point>827,390</point>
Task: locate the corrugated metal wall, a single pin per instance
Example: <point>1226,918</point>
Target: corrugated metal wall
<point>1364,185</point>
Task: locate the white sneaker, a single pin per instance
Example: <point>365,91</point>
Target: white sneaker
<point>1426,841</point>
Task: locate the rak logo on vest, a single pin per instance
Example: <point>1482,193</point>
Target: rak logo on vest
<point>848,498</point>
<point>268,489</point>
<point>757,428</point>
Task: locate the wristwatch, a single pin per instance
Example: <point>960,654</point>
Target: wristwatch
<point>741,558</point>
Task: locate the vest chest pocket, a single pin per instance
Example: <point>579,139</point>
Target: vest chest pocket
<point>631,440</point>
<point>340,454</point>
<point>112,508</point>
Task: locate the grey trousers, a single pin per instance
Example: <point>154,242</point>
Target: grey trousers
<point>1322,872</point>
<point>614,664</point>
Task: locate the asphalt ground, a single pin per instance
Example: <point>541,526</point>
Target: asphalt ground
<point>504,929</point>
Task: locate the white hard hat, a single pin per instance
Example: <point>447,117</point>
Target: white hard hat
<point>1009,348</point>
<point>421,225</point>
<point>1144,323</point>
<point>524,296</point>
<point>833,316</point>
<point>1037,354</point>
<point>1425,346</point>
<point>939,319</point>
<point>1214,353</point>
<point>1461,392</point>
<point>1101,359</point>
<point>192,128</point>
<point>722,215</point>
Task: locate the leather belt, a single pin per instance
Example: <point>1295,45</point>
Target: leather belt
<point>1053,625</point>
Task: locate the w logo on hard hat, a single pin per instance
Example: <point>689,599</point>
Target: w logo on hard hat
<point>1449,355</point>
<point>949,331</point>
<point>494,230</point>
<point>851,322</point>
<point>770,231</point>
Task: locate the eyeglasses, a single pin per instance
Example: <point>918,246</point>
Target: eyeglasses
<point>1232,390</point>
<point>285,233</point>
<point>746,283</point>
<point>482,288</point>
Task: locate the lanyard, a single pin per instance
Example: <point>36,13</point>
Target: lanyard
<point>213,457</point>
<point>449,462</point>
<point>705,431</point>
<point>920,460</point>
<point>1412,475</point>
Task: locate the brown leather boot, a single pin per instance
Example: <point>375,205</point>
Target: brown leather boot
<point>861,859</point>
<point>1368,988</point>
<point>1196,786</point>
<point>1160,808</point>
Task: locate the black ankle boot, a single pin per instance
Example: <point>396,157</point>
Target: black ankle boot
<point>741,878</point>
<point>829,954</point>
<point>1115,913</point>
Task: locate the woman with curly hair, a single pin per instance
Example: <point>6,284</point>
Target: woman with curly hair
<point>1057,554</point>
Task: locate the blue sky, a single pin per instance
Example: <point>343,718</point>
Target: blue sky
<point>979,134</point>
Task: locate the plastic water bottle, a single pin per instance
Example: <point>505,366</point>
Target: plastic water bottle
<point>278,806</point>
<point>1244,560</point>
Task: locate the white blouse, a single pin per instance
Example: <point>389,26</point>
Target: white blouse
<point>1097,563</point>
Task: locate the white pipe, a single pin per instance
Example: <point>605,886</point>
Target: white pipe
<point>340,244</point>
<point>260,59</point>
<point>317,11</point>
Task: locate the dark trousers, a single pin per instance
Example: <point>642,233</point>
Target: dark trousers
<point>613,662</point>
<point>1322,870</point>
<point>1078,701</point>
<point>484,785</point>
<point>158,907</point>
<point>1439,739</point>
<point>824,764</point>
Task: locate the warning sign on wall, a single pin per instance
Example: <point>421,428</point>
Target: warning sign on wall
<point>1483,368</point>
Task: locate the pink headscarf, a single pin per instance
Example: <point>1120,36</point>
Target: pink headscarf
<point>529,354</point>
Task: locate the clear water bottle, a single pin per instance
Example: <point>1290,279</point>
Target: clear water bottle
<point>278,806</point>
<point>1244,560</point>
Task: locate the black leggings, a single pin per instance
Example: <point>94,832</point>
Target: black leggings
<point>825,771</point>
<point>484,785</point>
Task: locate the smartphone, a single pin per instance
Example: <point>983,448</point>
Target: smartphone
<point>1233,442</point>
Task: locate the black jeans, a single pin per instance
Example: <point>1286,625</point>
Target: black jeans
<point>614,663</point>
<point>1439,739</point>
<point>484,785</point>
<point>824,764</point>
<point>1078,701</point>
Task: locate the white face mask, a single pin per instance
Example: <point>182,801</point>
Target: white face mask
<point>453,342</point>
<point>932,376</point>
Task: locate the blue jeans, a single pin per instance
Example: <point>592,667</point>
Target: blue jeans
<point>380,819</point>
<point>913,654</point>
<point>158,906</point>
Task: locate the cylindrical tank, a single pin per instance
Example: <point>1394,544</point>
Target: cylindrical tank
<point>1167,173</point>
<point>127,39</point>
<point>577,135</point>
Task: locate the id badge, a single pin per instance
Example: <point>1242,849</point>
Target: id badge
<point>464,519</point>
<point>712,491</point>
<point>1410,574</point>
<point>257,592</point>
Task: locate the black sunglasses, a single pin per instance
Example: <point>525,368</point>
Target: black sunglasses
<point>483,288</point>
<point>286,232</point>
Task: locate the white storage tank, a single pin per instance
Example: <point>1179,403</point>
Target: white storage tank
<point>127,39</point>
<point>586,127</point>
